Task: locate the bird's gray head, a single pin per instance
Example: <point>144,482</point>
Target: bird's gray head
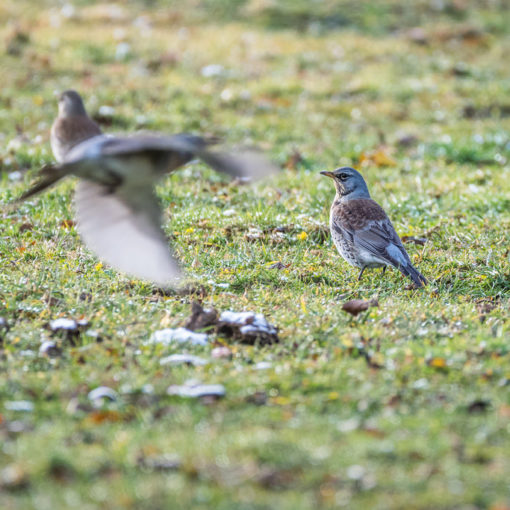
<point>349,183</point>
<point>70,103</point>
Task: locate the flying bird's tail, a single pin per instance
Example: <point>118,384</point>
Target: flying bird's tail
<point>414,274</point>
<point>48,176</point>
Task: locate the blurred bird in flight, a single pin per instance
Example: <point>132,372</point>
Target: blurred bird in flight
<point>118,215</point>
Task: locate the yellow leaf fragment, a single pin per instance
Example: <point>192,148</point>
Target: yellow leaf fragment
<point>438,363</point>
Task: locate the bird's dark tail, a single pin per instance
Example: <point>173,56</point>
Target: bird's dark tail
<point>48,176</point>
<point>414,274</point>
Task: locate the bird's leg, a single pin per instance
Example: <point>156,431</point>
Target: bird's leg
<point>384,269</point>
<point>360,274</point>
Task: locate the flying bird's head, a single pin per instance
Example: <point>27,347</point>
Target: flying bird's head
<point>70,103</point>
<point>349,183</point>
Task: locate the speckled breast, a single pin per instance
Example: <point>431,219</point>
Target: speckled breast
<point>345,247</point>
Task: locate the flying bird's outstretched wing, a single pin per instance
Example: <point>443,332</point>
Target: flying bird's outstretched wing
<point>165,153</point>
<point>124,230</point>
<point>183,147</point>
<point>118,215</point>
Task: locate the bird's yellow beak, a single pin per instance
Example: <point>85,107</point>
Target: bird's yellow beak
<point>328,174</point>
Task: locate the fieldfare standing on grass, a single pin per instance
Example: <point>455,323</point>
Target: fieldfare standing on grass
<point>361,231</point>
<point>118,214</point>
<point>71,126</point>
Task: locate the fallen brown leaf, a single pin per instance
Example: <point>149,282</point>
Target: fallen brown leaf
<point>103,416</point>
<point>418,36</point>
<point>68,224</point>
<point>259,398</point>
<point>61,470</point>
<point>26,226</point>
<point>478,406</point>
<point>356,306</point>
<point>16,42</point>
<point>276,479</point>
<point>278,265</point>
<point>13,477</point>
<point>379,157</point>
<point>201,318</point>
<point>293,160</point>
<point>406,140</point>
<point>167,59</point>
<point>159,462</point>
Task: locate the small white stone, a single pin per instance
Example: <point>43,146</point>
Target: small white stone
<point>14,145</point>
<point>65,324</point>
<point>355,472</point>
<point>213,70</point>
<point>179,359</point>
<point>197,391</point>
<point>420,384</point>
<point>148,389</point>
<point>102,392</point>
<point>348,425</point>
<point>226,95</point>
<point>49,348</point>
<point>179,335</point>
<point>106,111</point>
<point>249,322</point>
<point>24,406</point>
<point>239,318</point>
<point>15,176</point>
<point>122,51</point>
<point>221,352</point>
<point>27,353</point>
<point>68,11</point>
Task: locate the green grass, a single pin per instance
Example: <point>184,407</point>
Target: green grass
<point>407,405</point>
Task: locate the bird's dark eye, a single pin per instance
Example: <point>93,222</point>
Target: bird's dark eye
<point>343,177</point>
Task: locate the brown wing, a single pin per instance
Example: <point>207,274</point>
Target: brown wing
<point>365,223</point>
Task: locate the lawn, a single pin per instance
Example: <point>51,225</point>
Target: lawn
<point>407,405</point>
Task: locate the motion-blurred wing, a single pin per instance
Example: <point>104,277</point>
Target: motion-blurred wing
<point>124,230</point>
<point>249,164</point>
<point>140,143</point>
